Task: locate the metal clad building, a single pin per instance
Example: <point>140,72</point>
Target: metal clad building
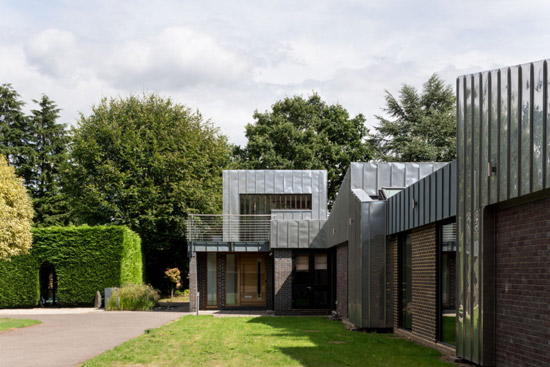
<point>431,199</point>
<point>503,153</point>
<point>359,219</point>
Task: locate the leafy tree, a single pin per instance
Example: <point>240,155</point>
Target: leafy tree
<point>14,130</point>
<point>421,126</point>
<point>49,139</point>
<point>146,162</point>
<point>307,133</point>
<point>15,214</point>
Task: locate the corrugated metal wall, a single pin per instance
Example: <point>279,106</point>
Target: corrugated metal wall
<point>434,199</point>
<point>297,233</point>
<point>503,153</point>
<point>314,182</point>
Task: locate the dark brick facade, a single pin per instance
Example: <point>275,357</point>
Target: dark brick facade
<point>392,279</point>
<point>522,252</point>
<point>193,286</point>
<point>424,284</point>
<point>283,280</point>
<point>342,280</point>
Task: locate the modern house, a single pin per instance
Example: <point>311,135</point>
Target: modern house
<point>453,255</point>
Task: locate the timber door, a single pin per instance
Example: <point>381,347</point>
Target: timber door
<point>253,279</point>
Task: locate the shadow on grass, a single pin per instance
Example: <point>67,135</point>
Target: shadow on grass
<point>318,342</point>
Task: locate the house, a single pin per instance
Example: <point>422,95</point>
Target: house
<point>453,255</point>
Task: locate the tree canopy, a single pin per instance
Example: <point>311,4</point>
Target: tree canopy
<point>305,133</point>
<point>146,162</point>
<point>15,214</point>
<point>420,126</point>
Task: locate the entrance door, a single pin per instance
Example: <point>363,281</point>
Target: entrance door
<point>311,281</point>
<point>253,279</point>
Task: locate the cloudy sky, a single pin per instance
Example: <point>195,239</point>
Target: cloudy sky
<point>229,58</point>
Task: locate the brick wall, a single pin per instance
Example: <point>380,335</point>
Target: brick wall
<point>283,280</point>
<point>269,280</point>
<point>193,285</point>
<point>392,279</point>
<point>522,252</point>
<point>342,280</point>
<point>220,291</point>
<point>201,278</point>
<point>424,285</point>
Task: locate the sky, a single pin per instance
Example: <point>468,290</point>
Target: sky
<point>230,58</point>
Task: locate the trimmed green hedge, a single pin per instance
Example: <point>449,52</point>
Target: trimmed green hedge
<point>86,259</point>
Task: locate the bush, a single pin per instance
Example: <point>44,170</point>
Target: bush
<point>133,297</point>
<point>184,293</point>
<point>85,259</point>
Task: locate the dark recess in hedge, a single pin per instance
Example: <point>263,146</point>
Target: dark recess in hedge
<point>86,259</point>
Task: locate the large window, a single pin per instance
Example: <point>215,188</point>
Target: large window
<point>232,279</point>
<point>264,203</point>
<point>447,283</point>
<point>211,280</point>
<point>405,281</point>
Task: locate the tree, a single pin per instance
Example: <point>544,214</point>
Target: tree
<point>307,133</point>
<point>49,139</point>
<point>14,130</point>
<point>146,162</point>
<point>15,214</point>
<point>422,126</point>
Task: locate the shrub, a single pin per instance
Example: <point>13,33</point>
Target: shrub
<point>86,259</point>
<point>133,297</point>
<point>15,214</point>
<point>184,293</point>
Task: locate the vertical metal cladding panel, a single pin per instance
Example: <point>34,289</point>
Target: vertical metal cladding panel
<point>484,139</point>
<point>439,195</point>
<point>303,233</point>
<point>446,191</point>
<point>433,200</point>
<point>537,123</point>
<point>515,143</point>
<point>368,179</point>
<point>384,175</point>
<point>494,133</point>
<point>525,111</point>
<point>377,264</point>
<point>412,172</point>
<point>355,264</point>
<point>421,203</point>
<point>474,276</point>
<point>453,199</point>
<point>398,175</point>
<point>460,216</point>
<point>503,135</point>
<point>468,220</point>
<point>269,182</point>
<point>366,268</point>
<point>514,133</point>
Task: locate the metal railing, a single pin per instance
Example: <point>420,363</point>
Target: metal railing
<point>228,228</point>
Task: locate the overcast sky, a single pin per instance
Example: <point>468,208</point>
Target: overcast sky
<point>229,58</point>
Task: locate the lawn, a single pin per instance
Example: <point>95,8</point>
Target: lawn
<point>265,341</point>
<point>181,299</point>
<point>8,324</point>
<point>449,330</point>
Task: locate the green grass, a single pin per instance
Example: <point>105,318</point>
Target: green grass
<point>175,299</point>
<point>8,324</point>
<point>449,330</point>
<point>265,341</point>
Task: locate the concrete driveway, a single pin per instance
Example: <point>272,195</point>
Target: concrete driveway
<point>68,338</point>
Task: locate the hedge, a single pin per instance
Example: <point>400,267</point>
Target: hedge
<point>86,259</point>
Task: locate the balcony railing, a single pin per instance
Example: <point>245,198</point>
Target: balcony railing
<point>228,228</point>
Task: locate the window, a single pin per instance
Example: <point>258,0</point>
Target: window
<point>447,283</point>
<point>264,203</point>
<point>405,281</point>
<point>302,262</point>
<point>211,281</point>
<point>232,280</point>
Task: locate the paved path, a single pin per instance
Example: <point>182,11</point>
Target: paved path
<point>72,337</point>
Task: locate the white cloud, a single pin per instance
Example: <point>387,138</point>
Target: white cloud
<point>230,58</point>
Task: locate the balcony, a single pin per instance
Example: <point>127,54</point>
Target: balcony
<point>228,232</point>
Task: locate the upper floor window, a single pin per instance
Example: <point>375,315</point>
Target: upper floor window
<point>265,203</point>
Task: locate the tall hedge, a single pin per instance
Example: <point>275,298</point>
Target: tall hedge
<point>86,259</point>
